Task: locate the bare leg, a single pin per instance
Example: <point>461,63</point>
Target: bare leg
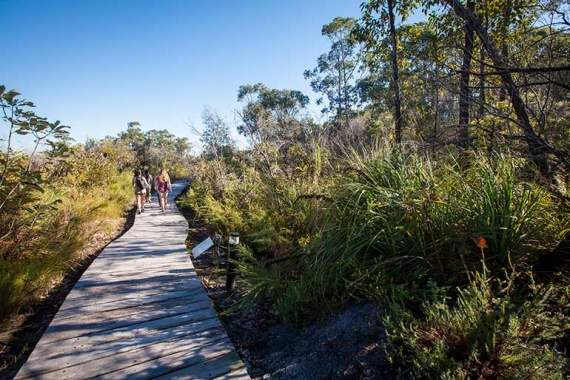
<point>163,201</point>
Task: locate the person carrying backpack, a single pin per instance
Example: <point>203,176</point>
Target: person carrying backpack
<point>150,181</point>
<point>163,187</point>
<point>141,185</point>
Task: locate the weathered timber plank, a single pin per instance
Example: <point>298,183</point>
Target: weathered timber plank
<point>93,306</point>
<point>93,289</point>
<point>147,265</point>
<point>210,369</point>
<point>112,297</point>
<point>141,328</point>
<point>128,352</point>
<point>150,281</point>
<point>88,324</point>
<point>142,258</point>
<point>138,271</point>
<point>167,252</point>
<point>149,361</point>
<point>165,235</point>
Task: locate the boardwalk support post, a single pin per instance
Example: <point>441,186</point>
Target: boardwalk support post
<point>232,256</point>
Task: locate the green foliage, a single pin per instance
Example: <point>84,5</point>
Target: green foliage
<point>399,218</point>
<point>52,203</point>
<point>264,208</point>
<point>154,150</point>
<point>30,262</point>
<point>215,138</point>
<point>495,329</point>
<point>336,71</point>
<point>21,180</point>
<point>304,301</point>
<point>21,282</point>
<point>403,209</point>
<point>271,116</point>
<point>262,283</point>
<point>512,215</point>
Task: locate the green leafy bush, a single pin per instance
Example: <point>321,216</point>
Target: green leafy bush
<point>265,209</point>
<point>494,330</point>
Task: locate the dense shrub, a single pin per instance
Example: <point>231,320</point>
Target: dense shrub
<point>494,330</point>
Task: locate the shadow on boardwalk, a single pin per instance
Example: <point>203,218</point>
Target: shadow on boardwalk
<point>138,312</point>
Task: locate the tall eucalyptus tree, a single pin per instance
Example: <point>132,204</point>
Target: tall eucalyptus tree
<point>336,71</point>
<point>379,18</point>
<point>154,148</point>
<point>270,115</point>
<point>216,138</point>
<point>272,121</point>
<point>133,136</point>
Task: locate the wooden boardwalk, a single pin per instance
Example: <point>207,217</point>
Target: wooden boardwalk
<point>138,312</point>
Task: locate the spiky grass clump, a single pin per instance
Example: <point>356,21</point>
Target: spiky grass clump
<point>402,219</point>
<point>411,218</point>
<point>64,220</point>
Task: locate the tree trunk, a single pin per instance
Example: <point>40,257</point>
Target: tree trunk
<point>395,72</point>
<point>464,89</point>
<point>482,80</point>
<point>346,103</point>
<point>339,100</point>
<point>505,39</point>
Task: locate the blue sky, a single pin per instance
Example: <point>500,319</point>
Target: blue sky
<point>97,65</point>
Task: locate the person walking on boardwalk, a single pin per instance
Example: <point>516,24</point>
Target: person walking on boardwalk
<point>141,186</point>
<point>150,182</point>
<point>163,187</point>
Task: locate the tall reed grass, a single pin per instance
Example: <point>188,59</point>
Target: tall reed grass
<point>52,245</point>
<point>402,219</point>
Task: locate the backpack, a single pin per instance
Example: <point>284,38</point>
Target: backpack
<point>139,186</point>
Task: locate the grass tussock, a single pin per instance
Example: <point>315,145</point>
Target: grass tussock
<point>32,264</point>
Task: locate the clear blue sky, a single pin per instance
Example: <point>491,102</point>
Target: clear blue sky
<point>96,65</point>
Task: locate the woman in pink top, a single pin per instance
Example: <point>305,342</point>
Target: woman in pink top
<point>162,186</point>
